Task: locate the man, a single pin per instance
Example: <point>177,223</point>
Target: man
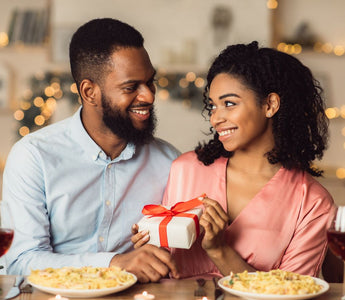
<point>76,187</point>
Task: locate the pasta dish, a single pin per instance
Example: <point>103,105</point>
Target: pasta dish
<point>276,282</point>
<point>84,278</point>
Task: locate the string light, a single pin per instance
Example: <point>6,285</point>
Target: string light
<point>39,120</point>
<point>199,82</point>
<point>340,173</point>
<point>39,102</point>
<point>163,82</point>
<point>74,88</point>
<point>3,39</point>
<point>272,4</point>
<point>183,83</point>
<point>25,105</point>
<point>327,48</point>
<point>163,94</point>
<point>319,47</point>
<point>49,91</point>
<point>24,130</point>
<point>18,115</point>
<point>190,76</point>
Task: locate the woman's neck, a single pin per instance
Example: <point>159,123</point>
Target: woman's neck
<point>252,163</point>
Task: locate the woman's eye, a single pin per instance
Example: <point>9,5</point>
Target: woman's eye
<point>211,106</point>
<point>229,103</point>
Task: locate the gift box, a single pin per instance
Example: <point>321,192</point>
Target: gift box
<point>174,227</point>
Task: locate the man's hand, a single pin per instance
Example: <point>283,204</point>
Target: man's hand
<point>148,263</point>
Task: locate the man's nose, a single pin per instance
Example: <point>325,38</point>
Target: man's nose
<point>146,94</point>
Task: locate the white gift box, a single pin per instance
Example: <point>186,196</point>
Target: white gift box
<point>181,230</point>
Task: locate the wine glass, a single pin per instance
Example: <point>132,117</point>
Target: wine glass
<point>336,237</point>
<point>6,228</point>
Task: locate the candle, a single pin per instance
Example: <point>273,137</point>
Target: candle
<point>144,296</point>
<point>58,297</point>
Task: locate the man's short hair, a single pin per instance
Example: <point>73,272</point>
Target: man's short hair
<point>93,44</point>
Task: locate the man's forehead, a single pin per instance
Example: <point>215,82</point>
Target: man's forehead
<point>132,62</point>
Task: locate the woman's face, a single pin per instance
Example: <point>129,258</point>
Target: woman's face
<point>240,122</point>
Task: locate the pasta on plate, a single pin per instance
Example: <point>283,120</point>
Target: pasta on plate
<point>85,278</point>
<point>276,282</point>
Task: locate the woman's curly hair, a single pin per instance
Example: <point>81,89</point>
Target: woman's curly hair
<point>300,126</point>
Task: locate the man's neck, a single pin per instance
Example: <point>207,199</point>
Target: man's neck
<point>110,143</point>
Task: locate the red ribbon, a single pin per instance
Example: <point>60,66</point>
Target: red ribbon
<point>178,210</point>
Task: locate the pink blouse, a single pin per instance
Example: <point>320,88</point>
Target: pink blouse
<point>283,226</point>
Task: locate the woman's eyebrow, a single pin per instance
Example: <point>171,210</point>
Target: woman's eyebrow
<point>228,95</point>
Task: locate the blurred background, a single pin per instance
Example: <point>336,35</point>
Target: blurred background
<point>182,38</point>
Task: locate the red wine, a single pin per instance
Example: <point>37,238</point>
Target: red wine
<point>6,237</point>
<point>336,242</point>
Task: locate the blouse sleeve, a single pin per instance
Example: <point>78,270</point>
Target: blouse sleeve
<point>306,251</point>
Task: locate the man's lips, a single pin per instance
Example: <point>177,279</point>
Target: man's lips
<point>140,112</point>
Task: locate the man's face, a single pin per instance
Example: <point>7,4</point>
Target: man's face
<point>122,126</point>
<point>128,96</point>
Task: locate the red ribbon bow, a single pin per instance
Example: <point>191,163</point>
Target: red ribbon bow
<point>178,210</point>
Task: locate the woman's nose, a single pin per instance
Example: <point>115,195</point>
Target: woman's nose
<point>217,117</point>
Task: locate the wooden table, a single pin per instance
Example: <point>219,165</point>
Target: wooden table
<point>166,290</point>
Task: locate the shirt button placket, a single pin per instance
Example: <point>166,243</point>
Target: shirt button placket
<point>104,228</point>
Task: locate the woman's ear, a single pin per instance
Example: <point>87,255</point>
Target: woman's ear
<point>89,92</point>
<point>272,104</point>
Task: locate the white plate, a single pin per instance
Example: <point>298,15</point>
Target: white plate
<point>254,296</point>
<point>85,293</point>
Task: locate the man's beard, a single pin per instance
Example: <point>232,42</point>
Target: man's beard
<point>122,126</point>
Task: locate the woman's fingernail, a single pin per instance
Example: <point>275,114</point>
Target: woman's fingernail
<point>144,232</point>
<point>146,237</point>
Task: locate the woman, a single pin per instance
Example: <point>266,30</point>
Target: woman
<point>263,210</point>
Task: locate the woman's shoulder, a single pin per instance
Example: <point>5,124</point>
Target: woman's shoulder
<point>190,158</point>
<point>309,185</point>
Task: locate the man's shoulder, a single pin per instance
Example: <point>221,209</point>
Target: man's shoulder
<point>159,145</point>
<point>48,133</point>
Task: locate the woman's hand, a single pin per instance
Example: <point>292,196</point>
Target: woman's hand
<point>139,239</point>
<point>214,220</point>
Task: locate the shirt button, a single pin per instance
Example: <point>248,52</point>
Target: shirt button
<point>109,166</point>
<point>107,203</point>
<point>101,238</point>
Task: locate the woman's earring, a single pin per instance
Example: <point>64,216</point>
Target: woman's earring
<point>269,115</point>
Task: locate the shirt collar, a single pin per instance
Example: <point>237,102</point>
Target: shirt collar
<point>80,135</point>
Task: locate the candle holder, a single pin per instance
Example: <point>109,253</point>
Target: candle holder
<point>58,297</point>
<point>144,296</point>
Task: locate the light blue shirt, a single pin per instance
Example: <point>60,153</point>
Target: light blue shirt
<point>73,205</point>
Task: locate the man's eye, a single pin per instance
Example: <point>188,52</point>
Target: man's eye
<point>152,85</point>
<point>131,88</point>
<point>152,82</point>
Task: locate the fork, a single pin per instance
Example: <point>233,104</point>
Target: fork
<point>199,291</point>
<point>27,288</point>
<point>218,293</point>
<point>25,292</point>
